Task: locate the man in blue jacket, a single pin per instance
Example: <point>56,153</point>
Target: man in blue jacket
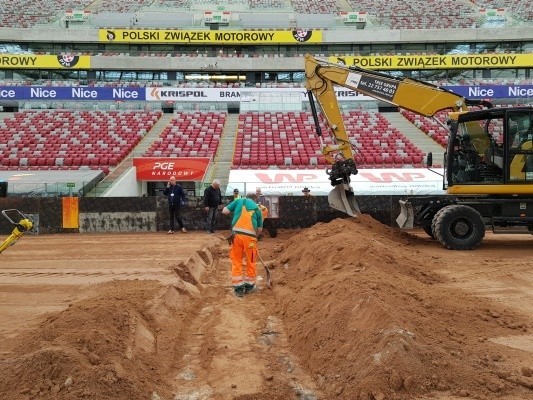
<point>176,199</point>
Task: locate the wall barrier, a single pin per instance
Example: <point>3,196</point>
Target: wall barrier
<point>150,214</point>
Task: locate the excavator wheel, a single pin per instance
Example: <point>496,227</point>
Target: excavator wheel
<point>458,227</point>
<point>429,230</point>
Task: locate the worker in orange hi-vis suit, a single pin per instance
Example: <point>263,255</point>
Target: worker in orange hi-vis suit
<point>246,226</point>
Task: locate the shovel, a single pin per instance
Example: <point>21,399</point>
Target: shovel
<point>268,280</point>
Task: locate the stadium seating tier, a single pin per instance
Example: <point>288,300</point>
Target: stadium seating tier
<point>289,140</point>
<point>65,139</point>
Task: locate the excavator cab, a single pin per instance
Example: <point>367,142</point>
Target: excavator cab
<point>489,151</point>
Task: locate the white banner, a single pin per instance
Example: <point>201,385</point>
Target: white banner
<point>233,94</point>
<point>383,181</point>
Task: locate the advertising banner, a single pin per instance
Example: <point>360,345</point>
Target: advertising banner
<point>162,168</point>
<point>493,91</point>
<point>220,37</point>
<point>234,94</point>
<point>382,88</point>
<point>44,61</point>
<point>456,61</point>
<point>71,212</point>
<point>70,93</point>
<point>379,181</point>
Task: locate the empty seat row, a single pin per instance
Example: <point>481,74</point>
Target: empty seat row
<point>62,138</point>
<point>189,135</point>
<point>287,139</point>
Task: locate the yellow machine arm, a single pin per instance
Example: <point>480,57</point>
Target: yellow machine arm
<point>23,225</point>
<point>321,77</point>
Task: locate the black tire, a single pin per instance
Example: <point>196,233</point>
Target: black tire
<point>458,227</point>
<point>429,230</point>
<point>273,232</point>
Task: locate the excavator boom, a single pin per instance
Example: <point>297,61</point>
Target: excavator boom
<point>417,96</point>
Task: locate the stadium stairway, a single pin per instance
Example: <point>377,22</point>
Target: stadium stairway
<point>4,115</point>
<point>221,166</point>
<point>416,136</point>
<point>101,188</point>
<point>344,5</point>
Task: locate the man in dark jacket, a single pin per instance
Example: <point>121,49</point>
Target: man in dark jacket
<point>212,203</point>
<point>176,199</point>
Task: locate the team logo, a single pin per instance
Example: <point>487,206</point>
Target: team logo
<point>110,35</point>
<point>68,60</point>
<point>302,35</point>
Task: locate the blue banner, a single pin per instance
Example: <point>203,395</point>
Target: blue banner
<point>71,93</point>
<point>216,94</point>
<point>493,91</point>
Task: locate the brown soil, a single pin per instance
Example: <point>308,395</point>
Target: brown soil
<point>356,311</point>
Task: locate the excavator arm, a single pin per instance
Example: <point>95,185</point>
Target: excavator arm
<point>417,96</point>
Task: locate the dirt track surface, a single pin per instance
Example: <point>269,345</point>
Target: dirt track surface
<point>357,311</point>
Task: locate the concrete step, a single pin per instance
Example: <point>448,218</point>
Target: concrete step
<point>415,135</point>
<point>127,163</point>
<point>221,165</point>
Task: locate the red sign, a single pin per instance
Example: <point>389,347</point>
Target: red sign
<point>162,168</point>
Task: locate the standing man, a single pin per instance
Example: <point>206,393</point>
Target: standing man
<point>264,214</point>
<point>246,226</point>
<point>176,198</point>
<point>260,197</point>
<point>212,202</point>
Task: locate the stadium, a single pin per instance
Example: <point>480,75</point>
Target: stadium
<point>101,102</point>
<point>182,78</point>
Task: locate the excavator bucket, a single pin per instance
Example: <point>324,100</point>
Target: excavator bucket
<point>407,215</point>
<point>343,199</point>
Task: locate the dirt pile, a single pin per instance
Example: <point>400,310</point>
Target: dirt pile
<point>357,311</point>
<point>370,320</point>
<point>104,347</point>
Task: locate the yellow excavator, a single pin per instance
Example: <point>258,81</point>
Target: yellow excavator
<point>488,165</point>
<point>22,225</point>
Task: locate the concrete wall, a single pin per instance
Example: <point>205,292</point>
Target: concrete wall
<point>336,36</point>
<point>126,185</point>
<point>150,214</point>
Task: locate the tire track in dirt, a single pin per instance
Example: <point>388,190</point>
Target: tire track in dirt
<point>64,277</point>
<point>236,349</point>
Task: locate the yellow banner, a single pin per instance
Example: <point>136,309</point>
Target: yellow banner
<point>40,61</point>
<point>209,37</point>
<point>463,61</point>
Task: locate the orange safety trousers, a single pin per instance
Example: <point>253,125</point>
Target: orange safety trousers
<point>243,246</point>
